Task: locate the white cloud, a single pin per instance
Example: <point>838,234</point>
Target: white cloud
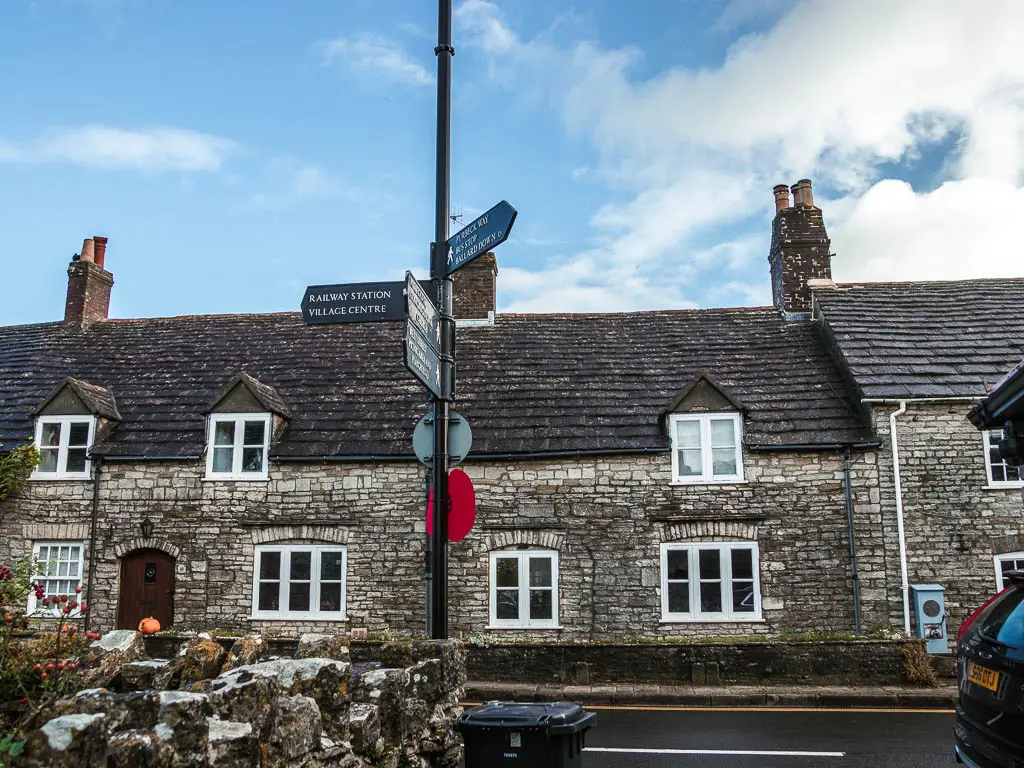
<point>289,180</point>
<point>832,91</point>
<point>963,229</point>
<point>378,58</point>
<point>155,149</point>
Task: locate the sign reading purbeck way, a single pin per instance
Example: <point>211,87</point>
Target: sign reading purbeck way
<point>480,235</point>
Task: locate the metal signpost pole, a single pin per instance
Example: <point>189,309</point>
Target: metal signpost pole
<point>443,283</point>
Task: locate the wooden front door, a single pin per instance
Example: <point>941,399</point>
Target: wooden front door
<point>147,588</point>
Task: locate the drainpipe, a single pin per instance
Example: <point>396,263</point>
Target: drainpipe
<point>98,467</point>
<point>853,547</point>
<point>904,582</point>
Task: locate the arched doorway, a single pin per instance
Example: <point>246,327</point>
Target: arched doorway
<point>147,588</point>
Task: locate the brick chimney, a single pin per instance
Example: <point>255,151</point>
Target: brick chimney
<point>800,250</point>
<point>474,295</point>
<point>89,285</point>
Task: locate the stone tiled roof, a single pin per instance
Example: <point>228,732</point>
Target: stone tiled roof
<point>925,339</point>
<point>528,384</point>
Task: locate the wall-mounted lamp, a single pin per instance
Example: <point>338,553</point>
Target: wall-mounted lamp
<point>146,526</point>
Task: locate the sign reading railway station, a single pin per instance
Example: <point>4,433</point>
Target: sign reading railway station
<point>481,235</point>
<point>354,303</point>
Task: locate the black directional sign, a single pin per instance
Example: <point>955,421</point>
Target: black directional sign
<point>421,312</point>
<point>422,359</point>
<point>480,235</point>
<point>354,302</point>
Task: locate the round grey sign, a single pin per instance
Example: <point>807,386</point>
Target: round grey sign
<point>460,439</point>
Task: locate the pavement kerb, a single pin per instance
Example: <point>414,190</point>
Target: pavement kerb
<point>841,697</point>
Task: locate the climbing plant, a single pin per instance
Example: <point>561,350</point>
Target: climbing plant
<point>15,468</point>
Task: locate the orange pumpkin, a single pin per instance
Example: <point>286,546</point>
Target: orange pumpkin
<point>149,625</point>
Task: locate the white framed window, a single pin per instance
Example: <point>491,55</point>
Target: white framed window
<point>1011,561</point>
<point>706,448</point>
<point>1000,474</point>
<point>710,581</point>
<point>63,443</point>
<point>524,589</point>
<point>237,446</point>
<point>59,568</point>
<point>299,581</point>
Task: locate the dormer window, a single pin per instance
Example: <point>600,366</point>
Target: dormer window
<point>706,448</point>
<point>63,443</point>
<point>705,426</point>
<point>237,446</point>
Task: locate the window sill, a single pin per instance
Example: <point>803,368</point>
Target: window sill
<point>52,478</point>
<point>235,479</point>
<point>298,618</point>
<point>520,627</point>
<point>709,620</point>
<point>710,482</point>
<point>1010,486</point>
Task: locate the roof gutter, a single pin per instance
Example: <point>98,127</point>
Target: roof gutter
<point>812,447</point>
<point>970,399</point>
<point>107,457</point>
<point>482,456</point>
<point>904,580</point>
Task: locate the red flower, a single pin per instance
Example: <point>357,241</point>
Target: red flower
<point>78,590</point>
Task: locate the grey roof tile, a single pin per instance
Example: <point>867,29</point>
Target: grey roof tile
<point>528,384</point>
<point>926,339</point>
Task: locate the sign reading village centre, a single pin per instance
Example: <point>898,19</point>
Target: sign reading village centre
<point>355,302</point>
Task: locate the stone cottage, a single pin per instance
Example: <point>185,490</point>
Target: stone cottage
<point>741,471</point>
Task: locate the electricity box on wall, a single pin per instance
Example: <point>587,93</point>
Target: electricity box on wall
<point>930,616</point>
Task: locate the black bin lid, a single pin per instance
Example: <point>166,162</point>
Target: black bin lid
<point>556,717</point>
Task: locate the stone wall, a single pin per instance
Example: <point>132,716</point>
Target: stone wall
<point>211,707</point>
<point>954,523</point>
<point>606,517</point>
<point>818,663</point>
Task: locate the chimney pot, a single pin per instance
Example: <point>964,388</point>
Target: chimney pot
<point>88,250</point>
<point>781,192</point>
<point>100,249</point>
<point>806,195</point>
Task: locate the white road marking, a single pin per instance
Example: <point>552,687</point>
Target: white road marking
<point>726,752</point>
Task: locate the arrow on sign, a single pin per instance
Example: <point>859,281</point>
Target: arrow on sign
<point>480,235</point>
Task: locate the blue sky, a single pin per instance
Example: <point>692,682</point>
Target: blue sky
<point>236,152</point>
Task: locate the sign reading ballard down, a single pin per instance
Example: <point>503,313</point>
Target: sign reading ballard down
<point>354,303</point>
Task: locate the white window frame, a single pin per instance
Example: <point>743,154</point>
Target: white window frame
<point>707,455</point>
<point>39,577</point>
<point>998,561</point>
<point>314,613</point>
<point>239,420</point>
<point>726,614</point>
<point>61,472</point>
<point>524,621</point>
<point>987,437</point>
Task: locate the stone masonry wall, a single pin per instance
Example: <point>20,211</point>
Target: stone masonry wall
<point>605,516</point>
<point>954,523</point>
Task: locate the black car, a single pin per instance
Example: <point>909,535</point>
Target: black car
<point>989,725</point>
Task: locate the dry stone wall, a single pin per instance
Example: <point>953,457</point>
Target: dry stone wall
<point>309,712</point>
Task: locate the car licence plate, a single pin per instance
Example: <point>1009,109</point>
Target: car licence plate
<point>983,676</point>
